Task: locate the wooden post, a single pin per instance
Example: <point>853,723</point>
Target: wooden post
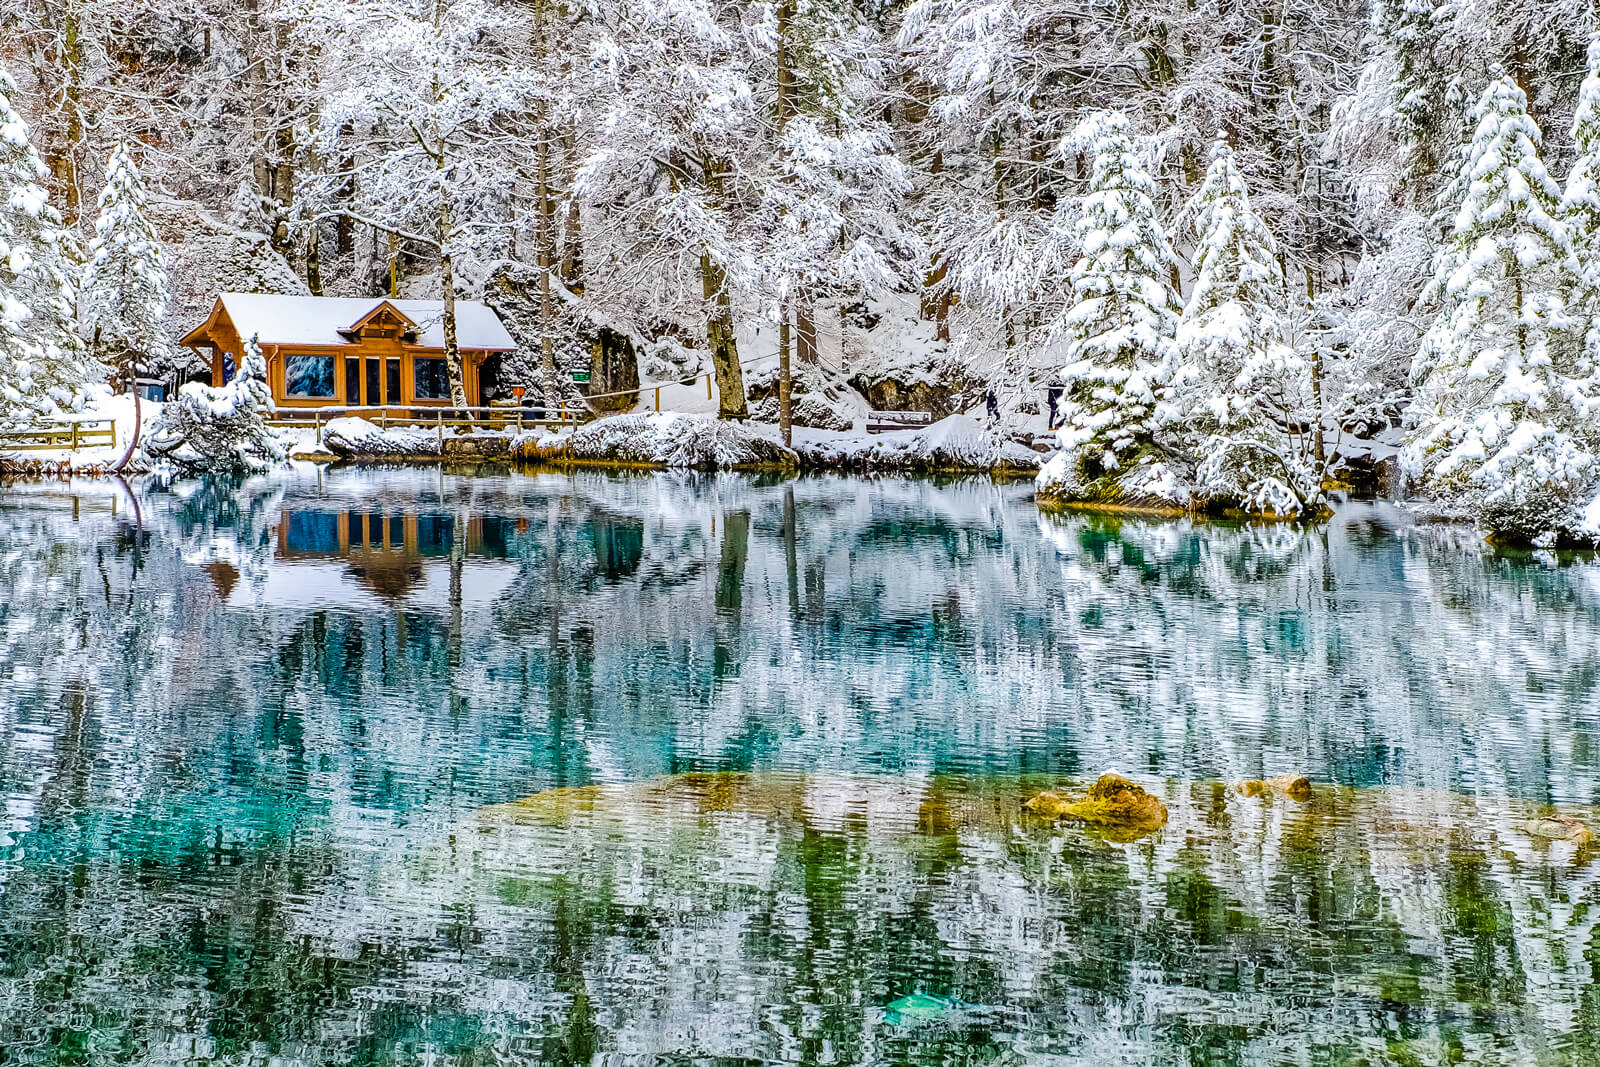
<point>316,418</point>
<point>658,398</point>
<point>441,431</point>
<point>75,434</point>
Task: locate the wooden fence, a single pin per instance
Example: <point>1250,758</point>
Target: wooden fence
<point>74,434</point>
<point>431,418</point>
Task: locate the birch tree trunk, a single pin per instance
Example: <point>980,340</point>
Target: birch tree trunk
<point>545,235</point>
<point>447,278</point>
<point>447,281</point>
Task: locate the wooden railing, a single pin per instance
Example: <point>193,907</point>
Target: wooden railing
<point>69,433</point>
<point>429,418</point>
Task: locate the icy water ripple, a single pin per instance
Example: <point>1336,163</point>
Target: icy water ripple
<point>407,768</point>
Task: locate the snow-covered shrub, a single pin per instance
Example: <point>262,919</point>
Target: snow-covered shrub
<point>1504,418</point>
<point>220,429</point>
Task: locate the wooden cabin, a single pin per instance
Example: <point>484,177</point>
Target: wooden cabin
<point>353,351</point>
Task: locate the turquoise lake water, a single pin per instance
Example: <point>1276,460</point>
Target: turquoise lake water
<point>403,767</point>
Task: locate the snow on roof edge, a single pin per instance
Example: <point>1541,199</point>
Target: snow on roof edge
<point>316,320</point>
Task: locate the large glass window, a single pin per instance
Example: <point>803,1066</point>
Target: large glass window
<point>391,381</point>
<point>433,381</point>
<point>308,376</point>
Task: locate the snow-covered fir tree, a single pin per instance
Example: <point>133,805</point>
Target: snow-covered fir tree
<point>125,287</point>
<point>1581,204</point>
<point>1238,399</point>
<point>1502,421</point>
<point>220,429</point>
<point>43,365</point>
<point>1119,327</point>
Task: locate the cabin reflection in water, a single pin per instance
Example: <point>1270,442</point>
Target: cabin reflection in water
<point>388,552</point>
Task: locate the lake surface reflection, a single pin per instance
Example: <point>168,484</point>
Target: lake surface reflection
<point>376,767</point>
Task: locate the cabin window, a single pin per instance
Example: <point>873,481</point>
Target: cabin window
<point>433,382</point>
<point>436,534</point>
<point>312,531</point>
<point>308,376</point>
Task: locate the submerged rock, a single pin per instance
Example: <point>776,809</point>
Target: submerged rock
<point>920,1007</point>
<point>1120,808</point>
<point>1296,787</point>
<point>1559,828</point>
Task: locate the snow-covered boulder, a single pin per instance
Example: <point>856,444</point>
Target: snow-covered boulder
<point>353,438</point>
<point>664,439</point>
<point>808,409</point>
<point>955,443</point>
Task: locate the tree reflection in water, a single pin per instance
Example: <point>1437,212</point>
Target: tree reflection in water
<point>262,747</point>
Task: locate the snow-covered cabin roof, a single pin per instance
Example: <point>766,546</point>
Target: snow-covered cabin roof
<point>325,320</point>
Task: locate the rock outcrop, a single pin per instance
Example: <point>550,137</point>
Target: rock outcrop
<point>914,394</point>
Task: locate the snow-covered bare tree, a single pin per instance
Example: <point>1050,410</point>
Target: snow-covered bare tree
<point>123,303</point>
<point>1238,399</point>
<point>1502,420</point>
<point>43,365</point>
<point>1119,328</point>
<point>664,183</point>
<point>830,221</point>
<point>418,105</point>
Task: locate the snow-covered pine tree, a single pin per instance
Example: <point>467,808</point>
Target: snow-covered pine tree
<point>1501,422</point>
<point>125,284</point>
<point>43,365</point>
<point>1120,323</point>
<point>221,429</point>
<point>1238,399</point>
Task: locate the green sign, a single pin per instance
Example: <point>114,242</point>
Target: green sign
<point>580,376</point>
